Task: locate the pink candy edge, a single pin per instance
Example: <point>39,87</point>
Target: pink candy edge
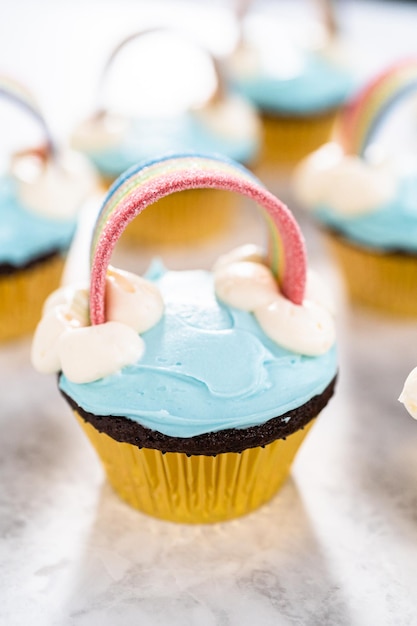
<point>293,279</point>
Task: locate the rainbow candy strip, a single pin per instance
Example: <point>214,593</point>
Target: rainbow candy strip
<point>366,113</point>
<point>146,183</point>
<point>18,94</point>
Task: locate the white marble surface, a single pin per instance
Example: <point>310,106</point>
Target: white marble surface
<point>337,546</point>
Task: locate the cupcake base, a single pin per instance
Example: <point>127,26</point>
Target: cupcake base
<point>197,488</point>
<point>183,217</point>
<point>289,139</point>
<point>23,292</point>
<point>383,281</point>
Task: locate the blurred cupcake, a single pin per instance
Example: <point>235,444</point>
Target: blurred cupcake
<point>196,388</point>
<point>40,192</point>
<point>297,76</point>
<point>366,200</point>
<point>162,121</point>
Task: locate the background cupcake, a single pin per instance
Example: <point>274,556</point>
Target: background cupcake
<point>298,75</point>
<point>366,199</point>
<point>41,190</point>
<point>118,136</point>
<point>215,377</point>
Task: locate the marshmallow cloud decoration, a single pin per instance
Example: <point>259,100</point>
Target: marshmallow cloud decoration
<point>245,285</point>
<point>64,339</point>
<point>132,300</point>
<point>93,352</point>
<point>249,285</point>
<point>346,184</point>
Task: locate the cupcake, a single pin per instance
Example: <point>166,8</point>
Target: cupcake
<point>40,192</point>
<point>225,124</point>
<point>196,388</point>
<point>297,77</point>
<point>366,200</point>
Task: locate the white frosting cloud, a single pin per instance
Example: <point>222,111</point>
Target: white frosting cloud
<point>245,285</point>
<point>250,286</point>
<point>45,354</point>
<point>409,393</point>
<point>73,297</point>
<point>90,353</point>
<point>307,329</point>
<point>55,188</point>
<point>65,341</point>
<point>132,300</point>
<point>344,183</point>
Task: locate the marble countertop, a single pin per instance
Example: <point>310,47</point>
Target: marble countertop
<point>337,546</point>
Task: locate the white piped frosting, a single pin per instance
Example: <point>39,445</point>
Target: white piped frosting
<point>90,353</point>
<point>54,188</point>
<point>73,298</point>
<point>64,340</point>
<point>245,285</point>
<point>409,393</point>
<point>250,286</point>
<point>346,183</point>
<point>46,357</point>
<point>132,300</point>
<point>307,329</point>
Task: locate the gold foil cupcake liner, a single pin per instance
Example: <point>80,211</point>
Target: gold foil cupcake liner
<point>198,488</point>
<point>287,140</point>
<point>22,294</point>
<point>183,217</point>
<point>384,282</point>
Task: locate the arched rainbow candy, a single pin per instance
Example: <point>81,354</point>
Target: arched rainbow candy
<point>363,117</point>
<point>146,183</point>
<point>18,94</point>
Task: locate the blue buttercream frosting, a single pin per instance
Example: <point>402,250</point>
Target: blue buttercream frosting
<point>206,367</point>
<point>147,138</point>
<point>25,235</point>
<point>318,86</point>
<point>392,226</point>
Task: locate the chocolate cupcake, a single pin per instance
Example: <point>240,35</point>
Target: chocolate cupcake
<point>196,388</point>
